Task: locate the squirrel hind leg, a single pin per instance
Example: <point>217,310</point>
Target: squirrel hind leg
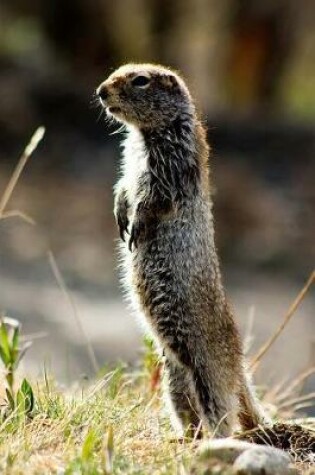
<point>218,407</point>
<point>181,400</point>
<point>208,397</point>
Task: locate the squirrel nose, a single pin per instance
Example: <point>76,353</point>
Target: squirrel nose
<point>102,93</point>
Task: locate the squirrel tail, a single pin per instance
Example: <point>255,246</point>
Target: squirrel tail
<point>258,428</point>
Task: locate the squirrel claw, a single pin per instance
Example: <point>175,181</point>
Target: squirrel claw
<point>122,234</point>
<point>130,244</point>
<point>133,241</point>
<point>136,230</point>
<point>123,227</point>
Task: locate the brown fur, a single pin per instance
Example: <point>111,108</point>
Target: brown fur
<point>163,201</point>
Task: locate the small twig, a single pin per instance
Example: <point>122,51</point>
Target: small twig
<point>263,350</point>
<point>29,149</point>
<point>69,299</point>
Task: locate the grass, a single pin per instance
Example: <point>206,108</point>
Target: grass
<point>116,425</point>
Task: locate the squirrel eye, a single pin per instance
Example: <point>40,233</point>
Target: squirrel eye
<point>140,81</point>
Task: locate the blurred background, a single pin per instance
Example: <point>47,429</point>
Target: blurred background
<point>251,67</point>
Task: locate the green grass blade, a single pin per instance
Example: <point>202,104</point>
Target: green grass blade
<point>5,345</point>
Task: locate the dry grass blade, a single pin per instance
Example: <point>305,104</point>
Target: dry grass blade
<point>15,213</point>
<point>276,390</point>
<point>69,299</point>
<point>308,422</point>
<point>249,334</point>
<point>263,350</point>
<point>297,407</point>
<point>287,389</point>
<point>29,149</point>
<point>33,336</point>
<point>298,399</point>
<point>296,384</point>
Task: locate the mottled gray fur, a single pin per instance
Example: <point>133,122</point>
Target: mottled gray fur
<point>170,265</point>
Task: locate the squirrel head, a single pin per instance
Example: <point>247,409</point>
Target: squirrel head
<point>145,95</point>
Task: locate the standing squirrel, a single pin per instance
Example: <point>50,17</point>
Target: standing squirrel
<point>163,205</point>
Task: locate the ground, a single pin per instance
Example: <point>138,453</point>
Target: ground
<point>116,425</point>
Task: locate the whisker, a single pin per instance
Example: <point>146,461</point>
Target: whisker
<point>122,128</point>
<point>100,115</point>
<point>95,102</point>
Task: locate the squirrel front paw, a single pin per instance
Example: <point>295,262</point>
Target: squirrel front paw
<point>121,215</point>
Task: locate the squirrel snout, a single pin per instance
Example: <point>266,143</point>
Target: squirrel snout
<point>102,92</point>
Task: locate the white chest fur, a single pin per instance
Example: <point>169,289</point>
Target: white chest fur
<point>134,163</point>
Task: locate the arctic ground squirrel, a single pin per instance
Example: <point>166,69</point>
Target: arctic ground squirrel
<point>163,208</point>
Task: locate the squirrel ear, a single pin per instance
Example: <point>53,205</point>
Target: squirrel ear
<point>169,80</point>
